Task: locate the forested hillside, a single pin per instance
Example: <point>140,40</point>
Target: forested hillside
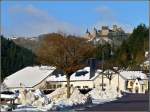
<point>131,52</point>
<point>14,57</point>
<point>32,43</point>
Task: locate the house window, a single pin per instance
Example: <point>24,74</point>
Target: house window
<point>103,84</point>
<point>59,85</point>
<point>131,83</point>
<point>86,87</point>
<point>78,87</point>
<point>142,88</point>
<point>94,86</point>
<point>31,90</point>
<point>54,86</point>
<point>50,86</point>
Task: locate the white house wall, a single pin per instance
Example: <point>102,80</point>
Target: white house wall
<point>80,84</point>
<point>94,83</point>
<point>137,84</point>
<point>122,82</point>
<point>98,81</point>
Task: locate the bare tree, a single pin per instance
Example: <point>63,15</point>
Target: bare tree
<point>109,74</point>
<point>66,53</point>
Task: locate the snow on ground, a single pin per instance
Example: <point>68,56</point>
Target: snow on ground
<point>54,101</point>
<point>36,99</point>
<point>57,100</point>
<point>99,96</point>
<point>4,108</point>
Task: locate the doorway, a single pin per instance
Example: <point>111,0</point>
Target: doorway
<point>136,89</point>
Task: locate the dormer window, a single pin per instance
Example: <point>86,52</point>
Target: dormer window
<point>81,73</point>
<point>138,78</point>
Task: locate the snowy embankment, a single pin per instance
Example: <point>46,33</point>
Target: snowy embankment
<point>57,100</point>
<point>101,96</point>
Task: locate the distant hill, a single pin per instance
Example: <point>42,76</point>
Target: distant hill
<point>32,43</point>
<point>14,57</point>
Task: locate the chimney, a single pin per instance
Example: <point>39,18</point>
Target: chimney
<point>93,66</point>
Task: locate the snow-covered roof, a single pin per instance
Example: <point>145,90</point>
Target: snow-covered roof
<point>56,78</point>
<point>133,74</point>
<point>147,62</point>
<point>109,71</point>
<point>7,96</point>
<point>28,77</point>
<point>85,75</point>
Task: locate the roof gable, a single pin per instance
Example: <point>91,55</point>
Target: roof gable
<point>29,76</point>
<point>133,75</point>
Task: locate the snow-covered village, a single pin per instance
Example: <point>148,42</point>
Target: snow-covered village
<point>57,57</point>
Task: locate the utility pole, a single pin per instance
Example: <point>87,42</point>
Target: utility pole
<point>116,71</point>
<point>102,69</point>
<point>118,82</point>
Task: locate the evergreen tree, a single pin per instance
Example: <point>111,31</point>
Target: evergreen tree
<point>14,57</point>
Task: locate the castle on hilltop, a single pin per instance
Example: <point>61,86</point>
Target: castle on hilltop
<point>115,35</point>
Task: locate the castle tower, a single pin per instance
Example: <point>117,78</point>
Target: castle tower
<point>114,27</point>
<point>88,35</point>
<point>104,31</point>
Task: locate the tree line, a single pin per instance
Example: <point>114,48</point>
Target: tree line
<point>14,57</point>
<point>132,51</point>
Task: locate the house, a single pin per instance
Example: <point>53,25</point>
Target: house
<point>31,77</point>
<point>81,79</point>
<point>146,64</point>
<point>46,77</point>
<point>132,81</point>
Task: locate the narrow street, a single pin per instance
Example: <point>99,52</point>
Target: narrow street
<point>129,102</point>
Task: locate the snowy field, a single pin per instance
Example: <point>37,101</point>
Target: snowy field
<point>57,100</point>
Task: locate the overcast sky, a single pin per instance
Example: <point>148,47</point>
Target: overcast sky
<point>34,18</point>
